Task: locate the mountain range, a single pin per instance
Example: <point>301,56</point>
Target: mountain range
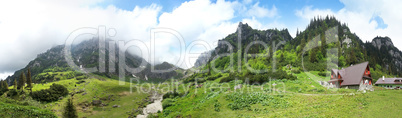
<point>380,52</point>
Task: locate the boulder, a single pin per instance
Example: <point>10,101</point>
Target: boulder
<point>115,106</point>
<point>96,102</point>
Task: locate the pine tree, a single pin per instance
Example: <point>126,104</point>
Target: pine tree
<point>1,85</point>
<point>69,110</point>
<point>5,85</point>
<point>21,81</point>
<point>15,84</point>
<point>313,56</point>
<point>29,79</point>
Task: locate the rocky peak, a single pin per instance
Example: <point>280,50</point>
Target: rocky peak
<point>379,42</point>
<point>202,59</point>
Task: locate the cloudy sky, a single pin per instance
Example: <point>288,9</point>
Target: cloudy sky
<point>28,28</point>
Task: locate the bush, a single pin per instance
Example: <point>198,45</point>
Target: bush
<point>240,101</point>
<point>52,94</point>
<point>81,77</point>
<point>296,70</point>
<point>214,77</point>
<point>262,78</point>
<point>166,112</point>
<point>216,106</point>
<point>12,93</point>
<point>322,73</point>
<point>79,82</point>
<point>228,78</point>
<point>167,103</point>
<point>69,110</point>
<point>171,94</point>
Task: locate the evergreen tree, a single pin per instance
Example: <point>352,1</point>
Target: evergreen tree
<point>1,85</point>
<point>69,110</point>
<point>352,57</point>
<point>29,79</point>
<point>313,56</point>
<point>5,85</point>
<point>21,81</point>
<point>15,84</point>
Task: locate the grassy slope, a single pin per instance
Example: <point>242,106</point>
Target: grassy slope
<point>20,111</point>
<point>102,89</point>
<point>303,98</point>
<point>15,108</point>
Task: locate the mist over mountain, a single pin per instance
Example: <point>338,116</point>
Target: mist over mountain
<point>86,55</point>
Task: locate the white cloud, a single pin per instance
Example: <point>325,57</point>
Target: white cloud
<point>3,76</point>
<point>260,12</point>
<point>357,15</point>
<point>199,20</point>
<point>33,27</point>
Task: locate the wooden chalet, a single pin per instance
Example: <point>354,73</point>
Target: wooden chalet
<point>354,77</point>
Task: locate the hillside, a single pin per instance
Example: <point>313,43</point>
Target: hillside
<point>279,76</point>
<point>52,66</point>
<point>325,44</point>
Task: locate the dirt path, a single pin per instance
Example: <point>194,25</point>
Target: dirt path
<point>153,107</point>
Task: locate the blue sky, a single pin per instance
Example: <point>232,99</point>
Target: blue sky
<point>286,8</point>
<point>34,27</point>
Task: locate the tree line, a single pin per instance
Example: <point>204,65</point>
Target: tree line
<point>23,82</point>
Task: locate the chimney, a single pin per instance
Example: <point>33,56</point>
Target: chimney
<point>383,78</point>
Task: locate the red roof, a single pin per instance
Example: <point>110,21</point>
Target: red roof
<point>389,81</point>
<point>352,75</point>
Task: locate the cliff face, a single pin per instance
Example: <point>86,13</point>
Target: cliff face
<point>202,59</point>
<point>386,53</point>
<point>246,35</point>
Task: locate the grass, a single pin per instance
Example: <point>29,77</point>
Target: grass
<point>303,97</point>
<point>20,111</point>
<point>95,89</point>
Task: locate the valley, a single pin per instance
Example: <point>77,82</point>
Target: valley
<point>280,76</point>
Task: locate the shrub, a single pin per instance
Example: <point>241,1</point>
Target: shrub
<point>69,110</point>
<point>216,106</point>
<point>171,94</point>
<point>228,78</point>
<point>322,73</point>
<point>166,112</point>
<point>296,70</point>
<point>79,82</point>
<point>81,77</point>
<point>12,92</point>
<point>240,101</point>
<point>214,77</point>
<point>52,94</point>
<point>167,102</point>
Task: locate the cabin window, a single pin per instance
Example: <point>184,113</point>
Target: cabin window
<point>367,72</point>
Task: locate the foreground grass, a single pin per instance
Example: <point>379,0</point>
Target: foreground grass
<point>20,111</point>
<point>303,97</point>
<point>109,91</point>
<point>95,89</point>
